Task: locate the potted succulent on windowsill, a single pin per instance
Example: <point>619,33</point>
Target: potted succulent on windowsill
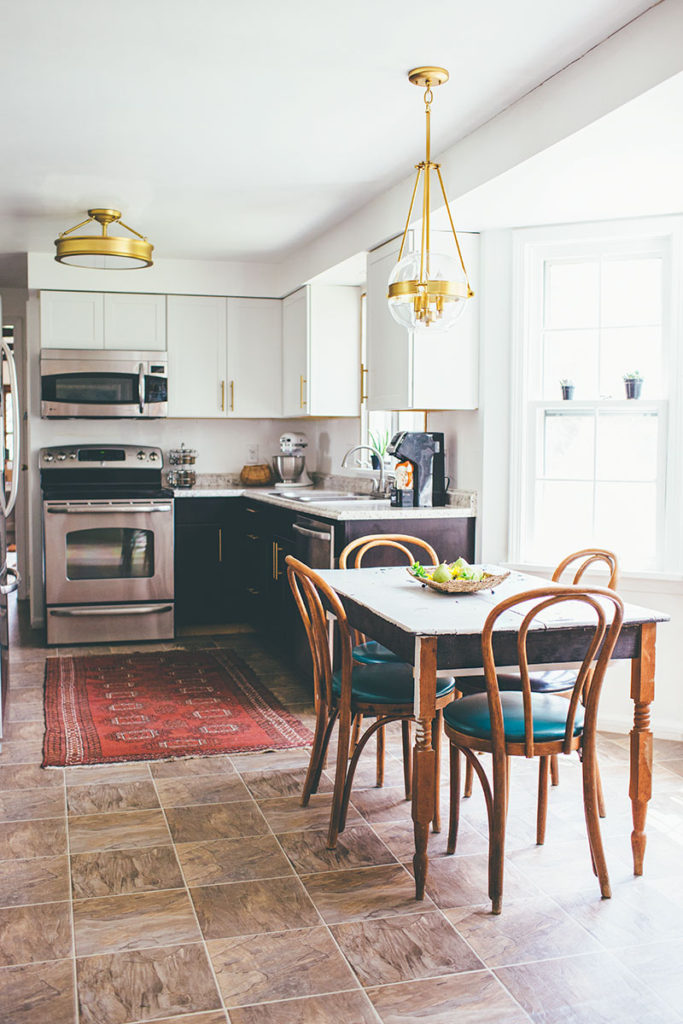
<point>634,384</point>
<point>567,385</point>
<point>380,441</point>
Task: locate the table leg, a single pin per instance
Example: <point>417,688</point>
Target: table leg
<point>424,757</point>
<point>642,694</point>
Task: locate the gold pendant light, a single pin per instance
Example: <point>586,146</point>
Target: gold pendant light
<point>105,251</point>
<point>428,290</point>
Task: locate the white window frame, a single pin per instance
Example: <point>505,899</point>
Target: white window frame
<point>531,249</point>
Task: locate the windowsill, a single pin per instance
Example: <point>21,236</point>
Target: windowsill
<point>650,582</point>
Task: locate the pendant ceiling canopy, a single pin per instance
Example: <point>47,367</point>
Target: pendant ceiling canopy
<point>104,251</point>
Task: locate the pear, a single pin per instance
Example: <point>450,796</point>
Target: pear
<point>442,573</point>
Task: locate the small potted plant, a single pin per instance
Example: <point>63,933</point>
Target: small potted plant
<point>634,384</point>
<point>379,441</point>
<point>567,385</point>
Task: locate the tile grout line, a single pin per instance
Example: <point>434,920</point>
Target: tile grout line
<point>77,1002</point>
<point>191,902</point>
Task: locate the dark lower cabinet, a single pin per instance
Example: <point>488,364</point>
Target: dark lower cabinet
<point>230,561</point>
<point>207,564</point>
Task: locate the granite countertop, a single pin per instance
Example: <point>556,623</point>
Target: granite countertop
<point>341,509</point>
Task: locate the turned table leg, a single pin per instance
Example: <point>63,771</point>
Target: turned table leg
<point>640,787</point>
<point>424,757</point>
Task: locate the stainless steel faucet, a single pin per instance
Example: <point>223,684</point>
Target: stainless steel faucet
<point>377,484</point>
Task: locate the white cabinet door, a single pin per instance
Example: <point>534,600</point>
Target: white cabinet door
<point>295,383</point>
<point>389,346</point>
<point>135,322</point>
<point>71,320</point>
<point>197,375</point>
<point>254,358</point>
<point>334,350</point>
<point>421,370</point>
<point>446,366</point>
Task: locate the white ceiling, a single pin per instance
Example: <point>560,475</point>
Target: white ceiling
<point>228,130</point>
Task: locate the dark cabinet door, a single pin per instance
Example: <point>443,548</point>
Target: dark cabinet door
<point>202,590</point>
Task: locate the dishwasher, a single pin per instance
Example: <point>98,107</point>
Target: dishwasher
<point>314,542</point>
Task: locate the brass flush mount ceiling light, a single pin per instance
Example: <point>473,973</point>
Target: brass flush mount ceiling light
<point>427,289</point>
<point>105,251</point>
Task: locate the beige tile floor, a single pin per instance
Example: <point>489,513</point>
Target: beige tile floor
<point>200,892</point>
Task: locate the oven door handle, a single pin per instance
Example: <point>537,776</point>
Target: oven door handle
<point>110,509</point>
<point>141,387</point>
<point>9,588</point>
<point>141,609</point>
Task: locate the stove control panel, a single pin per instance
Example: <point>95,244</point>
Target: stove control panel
<point>74,457</point>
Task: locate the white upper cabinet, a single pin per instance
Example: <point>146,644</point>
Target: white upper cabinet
<point>321,352</point>
<point>71,320</point>
<point>224,357</point>
<point>254,358</point>
<point>135,322</point>
<point>197,365</point>
<point>421,370</point>
<point>93,320</point>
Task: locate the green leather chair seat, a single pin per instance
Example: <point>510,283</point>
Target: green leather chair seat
<point>373,653</point>
<point>550,681</point>
<point>389,683</point>
<point>470,715</point>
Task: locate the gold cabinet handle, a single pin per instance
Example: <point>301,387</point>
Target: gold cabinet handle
<point>363,381</point>
<point>276,555</point>
<point>222,396</point>
<point>232,396</point>
<point>302,400</point>
<point>220,544</point>
<point>252,536</point>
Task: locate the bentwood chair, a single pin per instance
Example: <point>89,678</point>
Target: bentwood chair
<point>380,691</point>
<point>521,723</point>
<point>370,652</point>
<point>552,680</point>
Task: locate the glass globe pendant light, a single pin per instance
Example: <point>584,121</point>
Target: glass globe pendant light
<point>428,290</point>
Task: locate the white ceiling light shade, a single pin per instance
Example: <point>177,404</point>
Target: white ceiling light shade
<point>428,290</point>
<point>105,251</point>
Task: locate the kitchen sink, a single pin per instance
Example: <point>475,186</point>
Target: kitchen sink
<point>316,497</point>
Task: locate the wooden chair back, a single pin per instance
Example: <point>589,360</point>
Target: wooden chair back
<point>387,540</point>
<point>600,641</point>
<point>588,557</point>
<point>313,598</point>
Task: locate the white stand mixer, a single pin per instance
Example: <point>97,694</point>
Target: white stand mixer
<point>290,464</point>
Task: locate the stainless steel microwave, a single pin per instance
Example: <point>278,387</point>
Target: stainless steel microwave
<point>103,384</point>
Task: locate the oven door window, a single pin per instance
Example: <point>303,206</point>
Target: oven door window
<point>109,553</point>
<point>91,388</point>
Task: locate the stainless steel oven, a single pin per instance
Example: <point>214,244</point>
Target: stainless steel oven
<point>103,384</point>
<point>108,551</point>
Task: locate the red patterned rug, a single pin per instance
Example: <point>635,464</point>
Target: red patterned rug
<point>155,706</point>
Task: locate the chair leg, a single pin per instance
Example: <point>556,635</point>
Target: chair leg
<point>454,812</point>
<point>497,837</point>
<point>339,778</point>
<point>589,766</point>
<point>469,779</point>
<point>380,757</point>
<point>554,770</point>
<point>317,753</point>
<point>407,757</point>
<point>542,810</point>
<point>437,729</point>
<point>601,796</point>
<point>377,726</point>
<point>357,726</point>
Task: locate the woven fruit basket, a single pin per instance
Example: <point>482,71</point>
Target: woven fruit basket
<point>489,581</point>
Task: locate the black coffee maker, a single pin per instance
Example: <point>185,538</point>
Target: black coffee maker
<point>420,479</point>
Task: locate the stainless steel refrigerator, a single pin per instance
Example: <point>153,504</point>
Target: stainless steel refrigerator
<point>9,577</point>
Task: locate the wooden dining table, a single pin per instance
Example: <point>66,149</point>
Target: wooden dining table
<point>441,633</point>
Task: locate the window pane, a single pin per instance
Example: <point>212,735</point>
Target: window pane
<point>572,354</point>
<point>572,294</point>
<point>627,447</point>
<point>568,445</point>
<point>563,520</point>
<point>632,537</point>
<point>625,349</point>
<point>631,291</point>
